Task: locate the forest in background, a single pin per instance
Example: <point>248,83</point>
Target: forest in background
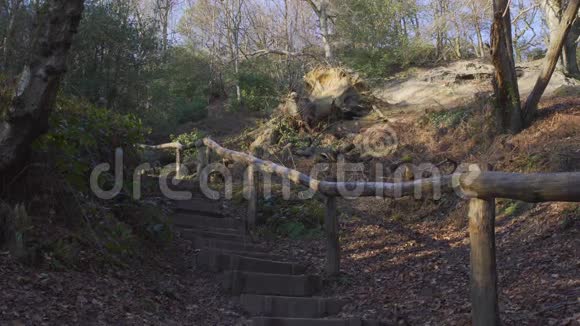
<point>165,60</point>
<point>125,72</point>
<point>79,79</point>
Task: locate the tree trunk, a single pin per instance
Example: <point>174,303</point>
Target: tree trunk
<point>9,34</point>
<point>551,60</point>
<point>480,45</point>
<point>569,58</point>
<point>323,17</point>
<point>165,28</point>
<point>458,47</point>
<point>237,72</point>
<point>27,116</point>
<point>505,80</point>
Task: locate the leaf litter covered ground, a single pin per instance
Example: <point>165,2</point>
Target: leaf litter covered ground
<point>164,290</point>
<point>405,262</point>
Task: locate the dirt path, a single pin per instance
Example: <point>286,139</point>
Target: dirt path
<point>454,85</point>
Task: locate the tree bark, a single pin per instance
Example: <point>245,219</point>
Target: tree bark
<point>328,53</point>
<point>9,34</point>
<point>505,80</point>
<point>480,45</point>
<point>569,57</point>
<point>322,14</point>
<point>27,116</point>
<point>551,60</point>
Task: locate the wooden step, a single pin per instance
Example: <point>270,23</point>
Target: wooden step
<point>218,262</point>
<point>270,321</point>
<point>202,243</point>
<point>237,282</point>
<point>182,228</point>
<point>295,307</point>
<point>250,254</point>
<point>200,222</point>
<point>191,234</point>
<point>191,186</point>
<point>205,207</point>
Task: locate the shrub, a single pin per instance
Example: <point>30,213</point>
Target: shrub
<point>258,87</point>
<point>190,110</point>
<point>293,219</point>
<point>188,139</point>
<point>179,90</point>
<point>83,135</point>
<point>381,62</point>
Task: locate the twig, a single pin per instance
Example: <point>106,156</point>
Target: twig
<point>378,112</point>
<point>507,7</point>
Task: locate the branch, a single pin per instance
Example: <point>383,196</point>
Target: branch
<point>523,12</point>
<point>314,7</point>
<point>507,7</point>
<point>264,52</point>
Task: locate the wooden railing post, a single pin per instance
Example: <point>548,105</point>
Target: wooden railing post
<point>252,195</point>
<point>253,189</point>
<point>332,239</point>
<point>484,306</point>
<point>178,163</point>
<point>202,158</point>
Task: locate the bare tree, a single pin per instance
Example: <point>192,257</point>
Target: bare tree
<point>556,43</point>
<point>233,13</point>
<point>27,116</point>
<point>163,9</point>
<point>478,13</point>
<point>569,54</point>
<point>524,29</point>
<point>512,116</point>
<point>505,79</point>
<point>322,12</point>
<point>553,13</point>
<point>440,15</point>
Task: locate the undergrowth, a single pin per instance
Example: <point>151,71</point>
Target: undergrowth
<point>188,139</point>
<point>69,228</point>
<point>292,219</point>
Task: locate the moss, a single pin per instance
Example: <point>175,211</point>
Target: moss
<point>512,208</point>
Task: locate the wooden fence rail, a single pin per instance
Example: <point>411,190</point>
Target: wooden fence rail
<point>480,186</point>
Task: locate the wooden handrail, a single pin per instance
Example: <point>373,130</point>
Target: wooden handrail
<point>482,186</point>
<point>175,145</point>
<point>533,187</point>
<point>178,147</point>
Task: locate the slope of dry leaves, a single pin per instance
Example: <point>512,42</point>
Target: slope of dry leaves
<point>405,262</point>
<point>165,289</point>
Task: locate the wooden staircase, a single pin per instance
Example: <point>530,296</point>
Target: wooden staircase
<point>272,290</point>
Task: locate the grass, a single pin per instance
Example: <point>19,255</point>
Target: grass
<point>510,207</point>
<point>447,118</point>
